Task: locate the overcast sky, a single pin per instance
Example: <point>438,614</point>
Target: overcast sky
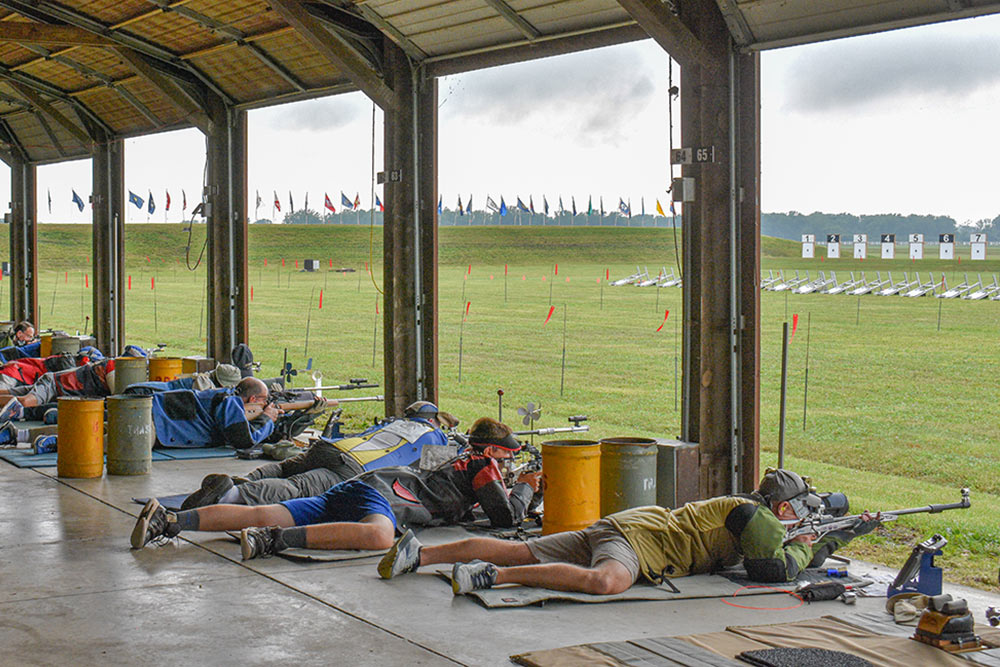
<point>902,122</point>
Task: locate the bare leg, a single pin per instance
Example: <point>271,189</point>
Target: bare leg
<point>491,550</point>
<point>374,531</point>
<point>235,517</point>
<point>28,400</point>
<point>606,578</point>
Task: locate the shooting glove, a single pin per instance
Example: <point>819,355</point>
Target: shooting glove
<point>862,527</point>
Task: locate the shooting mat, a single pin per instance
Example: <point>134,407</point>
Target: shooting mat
<point>682,588</point>
<point>23,458</point>
<point>721,648</point>
<point>319,555</point>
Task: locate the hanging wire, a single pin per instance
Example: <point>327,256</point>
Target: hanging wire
<point>672,94</point>
<point>190,229</point>
<point>371,226</point>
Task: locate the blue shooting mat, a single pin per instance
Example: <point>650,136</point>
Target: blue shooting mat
<point>183,453</point>
<point>23,458</point>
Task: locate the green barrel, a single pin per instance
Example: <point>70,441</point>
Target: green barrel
<point>628,473</point>
<point>129,370</point>
<point>130,434</point>
<point>63,344</point>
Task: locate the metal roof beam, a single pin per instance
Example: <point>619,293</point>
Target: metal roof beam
<point>674,37</point>
<point>15,151</point>
<point>52,135</point>
<point>50,35</point>
<point>105,80</point>
<point>336,49</point>
<point>169,62</point>
<point>515,19</point>
<point>52,91</point>
<point>390,31</point>
<point>36,100</point>
<point>237,37</point>
<point>193,111</point>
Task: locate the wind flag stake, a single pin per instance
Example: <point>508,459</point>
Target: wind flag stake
<point>505,283</point>
<point>461,335</point>
<point>940,304</point>
<point>55,286</point>
<point>320,300</point>
<point>552,309</point>
<point>665,316</point>
<point>784,394</point>
<point>562,375</point>
<point>551,283</point>
<point>805,390</point>
<point>152,286</point>
<point>375,330</point>
<point>676,356</point>
<point>309,320</point>
<point>795,325</point>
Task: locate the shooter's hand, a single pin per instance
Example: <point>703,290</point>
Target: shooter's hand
<point>866,523</point>
<point>806,539</point>
<point>272,411</point>
<point>532,479</point>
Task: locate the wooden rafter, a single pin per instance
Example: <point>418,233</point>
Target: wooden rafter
<point>670,33</point>
<point>168,87</point>
<point>335,49</point>
<point>36,100</point>
<point>49,35</point>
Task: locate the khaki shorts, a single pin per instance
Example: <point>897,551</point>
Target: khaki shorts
<point>587,547</point>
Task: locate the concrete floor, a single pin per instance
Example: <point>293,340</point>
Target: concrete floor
<point>74,593</point>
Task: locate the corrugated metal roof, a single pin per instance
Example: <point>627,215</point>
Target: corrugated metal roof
<point>763,24</point>
<point>246,52</point>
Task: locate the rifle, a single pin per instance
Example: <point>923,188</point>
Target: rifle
<point>577,427</point>
<point>821,523</point>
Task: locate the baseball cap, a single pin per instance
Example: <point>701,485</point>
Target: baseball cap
<point>227,375</point>
<point>423,409</point>
<point>784,485</point>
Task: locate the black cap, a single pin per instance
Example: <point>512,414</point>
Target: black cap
<point>784,485</point>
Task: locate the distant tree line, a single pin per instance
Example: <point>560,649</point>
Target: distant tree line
<point>791,225</point>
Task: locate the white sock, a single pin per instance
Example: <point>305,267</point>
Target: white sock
<point>22,435</point>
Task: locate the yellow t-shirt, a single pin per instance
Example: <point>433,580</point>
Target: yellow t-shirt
<point>692,539</point>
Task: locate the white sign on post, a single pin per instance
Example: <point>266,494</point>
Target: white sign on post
<point>808,246</point>
<point>978,246</point>
<point>916,246</point>
<point>860,246</point>
<point>947,248</point>
<point>833,246</point>
<point>888,246</point>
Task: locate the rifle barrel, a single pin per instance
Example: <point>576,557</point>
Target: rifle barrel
<point>358,399</point>
<point>341,387</point>
<point>555,429</point>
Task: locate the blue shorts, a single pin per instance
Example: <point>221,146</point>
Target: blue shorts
<point>348,501</point>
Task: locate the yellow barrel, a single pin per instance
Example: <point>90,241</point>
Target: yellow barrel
<point>45,349</point>
<point>130,435</point>
<point>80,437</point>
<point>571,473</point>
<point>628,473</point>
<point>165,369</point>
<point>63,344</point>
<point>129,370</point>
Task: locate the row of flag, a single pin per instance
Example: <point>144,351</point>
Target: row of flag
<point>624,207</point>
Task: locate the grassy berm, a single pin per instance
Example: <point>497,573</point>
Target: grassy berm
<point>903,398</point>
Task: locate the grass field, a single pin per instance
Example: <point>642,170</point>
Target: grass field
<point>900,413</point>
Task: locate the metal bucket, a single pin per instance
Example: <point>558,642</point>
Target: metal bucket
<point>130,435</point>
<point>165,369</point>
<point>64,344</point>
<point>80,436</point>
<point>571,473</point>
<point>129,370</point>
<point>197,364</point>
<point>628,473</point>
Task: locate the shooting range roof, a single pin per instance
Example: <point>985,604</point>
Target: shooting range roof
<point>75,69</point>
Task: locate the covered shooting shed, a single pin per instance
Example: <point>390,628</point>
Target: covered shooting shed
<point>79,76</point>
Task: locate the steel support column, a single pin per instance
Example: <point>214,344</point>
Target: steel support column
<point>748,177</point>
<point>226,214</point>
<point>23,242</point>
<point>109,246</point>
<point>410,236</point>
<point>721,250</point>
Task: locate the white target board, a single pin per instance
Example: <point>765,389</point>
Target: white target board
<point>808,246</point>
<point>888,246</point>
<point>977,243</point>
<point>833,246</point>
<point>916,246</point>
<point>947,248</point>
<point>860,246</point>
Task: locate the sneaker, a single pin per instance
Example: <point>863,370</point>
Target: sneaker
<point>213,487</point>
<point>11,410</point>
<point>152,526</point>
<point>261,542</point>
<point>51,416</point>
<point>44,444</point>
<point>8,435</point>
<point>474,576</point>
<point>402,557</point>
